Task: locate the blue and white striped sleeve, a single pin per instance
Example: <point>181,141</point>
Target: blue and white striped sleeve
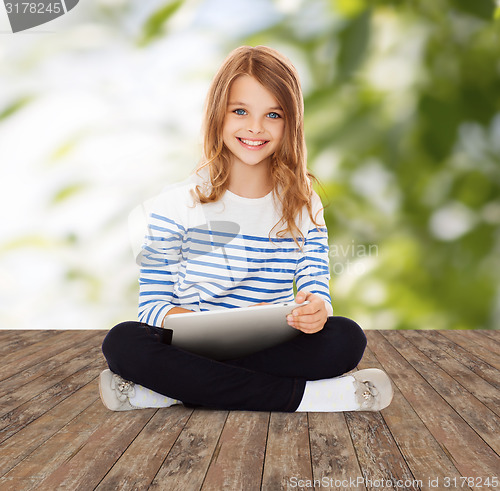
<point>312,273</point>
<point>159,263</point>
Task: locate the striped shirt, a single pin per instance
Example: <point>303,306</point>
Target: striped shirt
<point>219,255</point>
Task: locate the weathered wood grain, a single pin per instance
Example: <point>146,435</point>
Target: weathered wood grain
<point>11,341</point>
<point>484,354</point>
<point>443,423</point>
<point>88,348</point>
<point>334,460</point>
<point>31,390</point>
<point>59,448</point>
<point>469,453</point>
<point>484,421</point>
<point>91,459</point>
<point>476,385</point>
<point>238,459</point>
<point>493,336</point>
<point>378,454</point>
<point>479,338</point>
<point>30,355</point>
<point>288,457</point>
<point>18,418</point>
<point>473,363</point>
<point>423,454</point>
<point>187,462</point>
<point>138,465</point>
<point>34,435</point>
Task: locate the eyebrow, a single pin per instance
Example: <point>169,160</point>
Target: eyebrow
<point>236,103</point>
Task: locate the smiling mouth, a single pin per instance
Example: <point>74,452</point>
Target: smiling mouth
<point>253,143</point>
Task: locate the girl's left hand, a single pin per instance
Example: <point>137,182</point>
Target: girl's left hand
<point>311,317</point>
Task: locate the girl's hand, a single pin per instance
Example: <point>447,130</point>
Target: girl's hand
<point>175,310</point>
<point>311,317</point>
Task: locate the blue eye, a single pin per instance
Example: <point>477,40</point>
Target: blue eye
<point>274,115</point>
<point>240,112</point>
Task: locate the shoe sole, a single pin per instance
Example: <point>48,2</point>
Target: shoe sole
<point>105,379</point>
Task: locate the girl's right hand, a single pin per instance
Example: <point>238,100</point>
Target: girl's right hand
<point>176,310</point>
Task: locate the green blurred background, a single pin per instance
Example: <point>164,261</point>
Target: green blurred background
<point>402,103</point>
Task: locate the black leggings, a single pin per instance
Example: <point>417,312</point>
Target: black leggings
<point>270,380</point>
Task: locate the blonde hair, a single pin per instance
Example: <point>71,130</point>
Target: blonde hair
<point>289,171</point>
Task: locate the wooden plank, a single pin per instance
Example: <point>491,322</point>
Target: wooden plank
<point>53,440</point>
<point>29,346</point>
<point>12,341</point>
<point>59,448</point>
<point>138,465</point>
<point>6,332</point>
<point>469,453</point>
<point>333,456</point>
<point>482,390</point>
<point>422,453</point>
<point>23,415</point>
<point>187,463</point>
<point>288,459</point>
<point>479,338</point>
<point>470,361</point>
<point>482,353</point>
<point>28,439</point>
<point>34,354</point>
<point>493,335</point>
<point>9,335</point>
<point>30,391</point>
<point>477,415</point>
<point>89,463</point>
<point>380,460</point>
<point>23,377</point>
<point>239,456</point>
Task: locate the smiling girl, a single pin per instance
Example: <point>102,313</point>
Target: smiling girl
<point>253,174</point>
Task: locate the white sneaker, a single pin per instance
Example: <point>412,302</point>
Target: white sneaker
<point>115,391</point>
<point>373,389</point>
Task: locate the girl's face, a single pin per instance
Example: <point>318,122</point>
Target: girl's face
<point>254,123</point>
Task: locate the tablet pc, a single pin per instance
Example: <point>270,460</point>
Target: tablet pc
<point>232,333</point>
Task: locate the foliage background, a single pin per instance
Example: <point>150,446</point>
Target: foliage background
<point>103,108</point>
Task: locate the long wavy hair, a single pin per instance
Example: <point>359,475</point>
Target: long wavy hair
<point>291,179</point>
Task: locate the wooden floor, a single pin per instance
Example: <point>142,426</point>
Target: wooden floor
<point>442,430</point>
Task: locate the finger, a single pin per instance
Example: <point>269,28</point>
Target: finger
<point>308,309</point>
<point>308,325</point>
<point>311,326</point>
<point>306,320</point>
<point>307,316</point>
<point>315,305</point>
<point>301,296</point>
<point>310,329</point>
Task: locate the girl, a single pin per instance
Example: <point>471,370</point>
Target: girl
<point>239,232</point>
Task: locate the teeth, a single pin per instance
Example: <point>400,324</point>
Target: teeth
<point>253,143</point>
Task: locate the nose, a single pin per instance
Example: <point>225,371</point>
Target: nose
<point>255,125</point>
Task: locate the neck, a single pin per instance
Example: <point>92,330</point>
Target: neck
<point>250,181</point>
